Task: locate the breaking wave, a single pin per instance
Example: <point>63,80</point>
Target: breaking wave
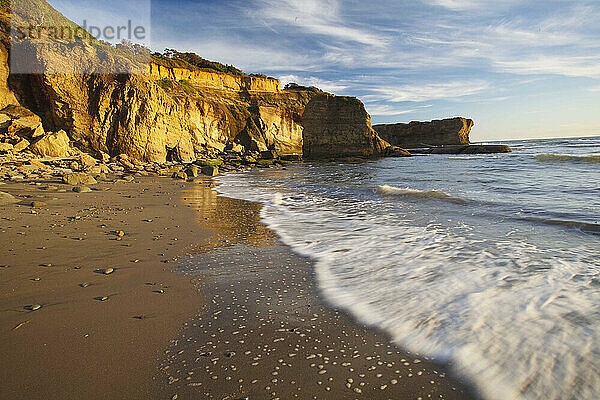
<point>388,190</point>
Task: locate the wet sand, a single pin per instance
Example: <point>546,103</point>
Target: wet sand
<point>264,333</point>
<point>79,345</point>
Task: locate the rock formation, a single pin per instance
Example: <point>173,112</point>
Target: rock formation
<point>166,113</point>
<point>451,131</point>
<point>337,127</point>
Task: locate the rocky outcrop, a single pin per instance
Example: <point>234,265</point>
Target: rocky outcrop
<point>453,131</point>
<point>337,127</point>
<point>147,120</point>
<point>21,130</point>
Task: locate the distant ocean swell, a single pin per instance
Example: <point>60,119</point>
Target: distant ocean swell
<point>569,158</point>
<point>583,226</point>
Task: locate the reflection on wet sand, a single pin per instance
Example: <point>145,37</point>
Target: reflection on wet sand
<point>264,333</point>
<point>233,221</point>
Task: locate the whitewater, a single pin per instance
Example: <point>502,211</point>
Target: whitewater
<point>490,263</point>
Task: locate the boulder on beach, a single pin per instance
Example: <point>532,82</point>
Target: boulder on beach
<point>87,161</point>
<point>21,145</point>
<point>210,170</point>
<point>268,155</point>
<point>78,178</point>
<point>5,147</point>
<point>52,144</point>
<point>19,121</point>
<point>192,171</point>
<point>7,198</point>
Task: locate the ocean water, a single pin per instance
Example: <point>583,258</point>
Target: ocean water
<point>488,262</point>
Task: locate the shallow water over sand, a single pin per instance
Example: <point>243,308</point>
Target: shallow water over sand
<point>264,333</point>
<point>490,262</point>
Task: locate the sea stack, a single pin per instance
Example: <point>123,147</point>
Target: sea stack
<point>452,131</point>
<point>338,127</point>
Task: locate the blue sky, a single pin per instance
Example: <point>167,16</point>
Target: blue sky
<point>520,69</point>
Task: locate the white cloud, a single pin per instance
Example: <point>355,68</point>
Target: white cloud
<point>462,5</point>
<point>321,17</point>
<point>558,65</point>
<point>328,86</point>
<point>427,91</point>
<point>385,109</point>
<point>559,41</point>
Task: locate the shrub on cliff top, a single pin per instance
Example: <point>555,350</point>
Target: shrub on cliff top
<point>175,59</point>
<point>294,87</point>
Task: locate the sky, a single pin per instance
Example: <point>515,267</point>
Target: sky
<point>518,68</point>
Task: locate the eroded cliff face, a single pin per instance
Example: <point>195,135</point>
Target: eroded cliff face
<point>6,95</point>
<point>155,120</point>
<point>338,126</point>
<point>415,134</point>
<point>164,113</point>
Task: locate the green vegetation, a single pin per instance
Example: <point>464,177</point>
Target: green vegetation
<point>186,86</point>
<point>266,163</point>
<point>211,163</point>
<point>175,59</point>
<point>294,87</point>
<point>166,84</point>
<point>182,86</point>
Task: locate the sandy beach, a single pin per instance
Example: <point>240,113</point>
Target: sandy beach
<point>96,336</point>
<point>241,317</point>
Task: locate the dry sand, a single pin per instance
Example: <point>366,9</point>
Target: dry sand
<point>75,346</point>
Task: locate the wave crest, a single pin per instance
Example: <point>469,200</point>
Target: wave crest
<point>388,190</point>
<point>583,226</point>
<point>570,158</point>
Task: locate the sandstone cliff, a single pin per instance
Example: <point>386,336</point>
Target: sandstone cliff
<point>164,113</point>
<point>338,126</point>
<point>214,80</point>
<point>6,95</point>
<point>451,131</point>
